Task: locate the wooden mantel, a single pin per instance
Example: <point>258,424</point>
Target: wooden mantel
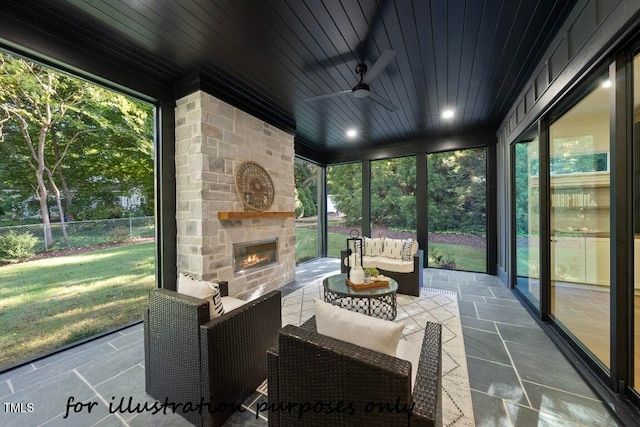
<point>253,214</point>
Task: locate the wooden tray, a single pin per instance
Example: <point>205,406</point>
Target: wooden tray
<point>369,285</point>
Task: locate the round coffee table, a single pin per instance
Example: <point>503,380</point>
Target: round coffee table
<point>375,302</point>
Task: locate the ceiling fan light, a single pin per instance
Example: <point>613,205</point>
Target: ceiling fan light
<point>360,92</point>
<point>352,133</point>
<point>448,114</point>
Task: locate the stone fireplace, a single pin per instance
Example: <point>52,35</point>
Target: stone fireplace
<point>212,139</point>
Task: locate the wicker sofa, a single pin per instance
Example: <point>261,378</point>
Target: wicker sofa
<point>316,380</point>
<point>190,359</point>
<point>408,272</point>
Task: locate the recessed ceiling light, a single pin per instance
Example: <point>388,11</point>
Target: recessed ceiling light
<point>606,83</point>
<point>447,114</point>
<point>352,133</point>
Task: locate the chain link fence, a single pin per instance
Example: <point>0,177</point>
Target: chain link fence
<point>87,233</point>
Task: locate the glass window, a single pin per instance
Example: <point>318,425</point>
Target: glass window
<point>457,198</point>
<point>344,205</point>
<point>306,180</point>
<point>393,198</point>
<point>580,221</point>
<point>77,256</point>
<point>527,219</point>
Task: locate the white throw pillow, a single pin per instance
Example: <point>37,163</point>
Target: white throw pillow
<point>373,247</point>
<point>359,329</point>
<point>393,248</point>
<point>191,286</point>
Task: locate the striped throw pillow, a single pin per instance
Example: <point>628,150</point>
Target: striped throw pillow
<point>217,308</point>
<point>407,249</point>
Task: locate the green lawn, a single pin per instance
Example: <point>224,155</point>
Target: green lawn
<point>466,257</point>
<point>47,303</point>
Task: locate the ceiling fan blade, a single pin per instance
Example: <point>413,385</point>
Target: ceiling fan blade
<point>385,103</point>
<point>327,95</point>
<point>382,63</point>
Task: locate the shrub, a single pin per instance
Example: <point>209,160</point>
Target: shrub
<point>15,247</point>
<point>447,261</point>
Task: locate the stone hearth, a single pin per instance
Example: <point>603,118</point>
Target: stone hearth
<point>212,139</point>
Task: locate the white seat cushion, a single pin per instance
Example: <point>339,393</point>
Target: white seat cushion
<point>359,329</point>
<point>394,265</point>
<point>231,303</point>
<point>410,351</point>
<point>367,261</point>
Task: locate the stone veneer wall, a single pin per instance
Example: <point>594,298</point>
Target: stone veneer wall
<point>212,139</point>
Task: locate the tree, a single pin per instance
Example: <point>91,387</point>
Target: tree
<point>36,99</point>
<point>344,184</point>
<point>393,193</point>
<point>306,182</point>
<point>457,191</point>
<point>79,140</point>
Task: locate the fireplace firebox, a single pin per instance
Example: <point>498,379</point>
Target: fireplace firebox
<point>251,256</point>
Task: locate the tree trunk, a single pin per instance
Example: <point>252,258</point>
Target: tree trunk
<point>68,194</point>
<point>56,191</point>
<point>44,210</point>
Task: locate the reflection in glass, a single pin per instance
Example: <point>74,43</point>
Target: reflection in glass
<point>457,200</point>
<point>580,218</point>
<point>527,219</point>
<point>344,205</point>
<point>636,218</point>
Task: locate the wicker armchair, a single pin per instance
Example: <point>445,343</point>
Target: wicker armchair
<point>190,359</point>
<point>315,380</point>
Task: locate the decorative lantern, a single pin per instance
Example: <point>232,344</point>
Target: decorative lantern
<point>354,246</point>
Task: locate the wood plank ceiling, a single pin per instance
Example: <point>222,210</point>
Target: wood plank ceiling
<point>267,56</point>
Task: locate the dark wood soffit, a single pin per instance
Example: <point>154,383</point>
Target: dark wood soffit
<point>224,89</point>
<point>80,58</point>
<point>431,144</point>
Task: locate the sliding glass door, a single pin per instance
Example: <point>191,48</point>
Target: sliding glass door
<point>580,218</point>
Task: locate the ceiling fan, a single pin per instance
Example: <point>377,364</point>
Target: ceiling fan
<point>361,90</point>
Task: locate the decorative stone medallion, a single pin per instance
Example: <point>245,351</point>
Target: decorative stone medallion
<point>254,186</point>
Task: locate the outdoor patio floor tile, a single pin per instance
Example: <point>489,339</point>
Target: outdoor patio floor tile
<point>475,323</point>
<point>512,382</point>
<point>557,372</point>
<point>489,410</point>
<point>485,345</point>
<point>495,379</point>
<point>560,404</point>
<point>514,316</point>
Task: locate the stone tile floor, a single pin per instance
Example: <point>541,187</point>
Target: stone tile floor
<point>517,375</point>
